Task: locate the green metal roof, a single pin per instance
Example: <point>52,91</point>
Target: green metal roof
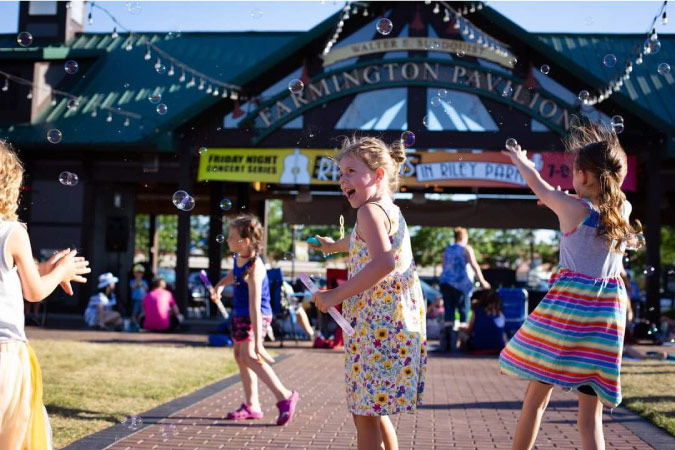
<point>122,79</point>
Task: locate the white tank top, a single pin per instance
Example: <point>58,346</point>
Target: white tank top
<point>11,296</point>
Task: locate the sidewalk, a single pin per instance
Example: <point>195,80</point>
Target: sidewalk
<point>468,405</point>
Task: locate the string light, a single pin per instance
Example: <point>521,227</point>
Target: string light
<point>171,71</point>
<point>5,87</point>
<point>182,76</point>
<point>109,118</point>
<point>148,55</point>
<point>115,34</point>
<point>30,94</point>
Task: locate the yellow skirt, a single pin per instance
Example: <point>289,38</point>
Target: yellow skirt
<point>24,424</point>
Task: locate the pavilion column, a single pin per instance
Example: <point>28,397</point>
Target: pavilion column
<point>244,198</point>
<point>653,235</point>
<point>215,228</point>
<point>185,183</point>
<point>153,239</point>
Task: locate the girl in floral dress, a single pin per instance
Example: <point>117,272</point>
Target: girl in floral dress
<point>385,359</point>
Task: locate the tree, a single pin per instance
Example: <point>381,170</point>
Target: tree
<point>168,233</point>
<point>279,239</point>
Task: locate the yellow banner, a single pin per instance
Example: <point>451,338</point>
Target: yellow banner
<point>417,44</point>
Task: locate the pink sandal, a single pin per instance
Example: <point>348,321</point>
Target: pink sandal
<point>287,408</point>
<point>244,412</point>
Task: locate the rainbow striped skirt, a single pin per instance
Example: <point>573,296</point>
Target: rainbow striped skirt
<point>574,337</point>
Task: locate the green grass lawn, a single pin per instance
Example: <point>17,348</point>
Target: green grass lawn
<point>91,386</point>
<point>647,388</point>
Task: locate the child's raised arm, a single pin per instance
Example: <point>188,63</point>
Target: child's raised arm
<point>328,245</point>
<point>568,209</point>
<point>371,226</point>
<point>217,290</point>
<point>36,287</point>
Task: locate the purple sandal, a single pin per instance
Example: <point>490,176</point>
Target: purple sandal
<point>244,412</point>
<point>287,408</point>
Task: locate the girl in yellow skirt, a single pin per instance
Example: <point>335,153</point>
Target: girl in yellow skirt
<point>23,419</point>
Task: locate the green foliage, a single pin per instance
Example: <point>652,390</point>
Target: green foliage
<point>279,238</point>
<point>168,233</point>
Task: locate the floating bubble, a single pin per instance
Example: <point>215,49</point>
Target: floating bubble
<point>179,199</point>
<point>648,271</point>
<point>545,69</point>
<point>435,45</point>
<point>155,97</point>
<point>162,109</point>
<point>589,21</point>
<point>663,69</point>
<point>220,239</point>
<point>288,256</point>
<point>507,91</point>
<point>513,61</point>
<point>202,150</point>
<point>511,144</point>
<point>584,96</point>
<point>71,67</point>
<point>617,124</point>
<point>426,121</point>
<point>442,93</point>
<point>296,86</point>
<point>160,69</point>
<point>24,39</point>
<point>72,104</point>
<point>226,204</point>
<point>173,34</point>
<point>436,101</point>
<point>126,85</point>
<point>408,138</point>
<point>384,26</point>
<point>609,60</point>
<point>54,136</point>
<point>651,46</point>
<point>460,53</point>
<point>256,13</point>
<point>636,242</point>
<point>134,8</point>
<point>68,178</point>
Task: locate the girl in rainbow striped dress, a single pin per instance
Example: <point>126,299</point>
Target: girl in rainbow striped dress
<point>574,337</point>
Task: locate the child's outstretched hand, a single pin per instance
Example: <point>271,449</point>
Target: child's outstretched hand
<point>324,300</point>
<point>214,294</point>
<point>518,156</point>
<point>325,244</point>
<point>74,266</point>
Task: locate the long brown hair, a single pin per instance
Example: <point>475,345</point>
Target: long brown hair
<point>249,226</point>
<point>375,154</point>
<point>598,151</point>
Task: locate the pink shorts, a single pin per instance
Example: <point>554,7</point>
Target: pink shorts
<point>243,331</point>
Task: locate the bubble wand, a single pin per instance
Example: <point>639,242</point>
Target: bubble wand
<point>315,242</point>
<point>207,283</point>
<point>346,327</point>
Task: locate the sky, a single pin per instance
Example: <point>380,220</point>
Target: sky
<point>535,16</point>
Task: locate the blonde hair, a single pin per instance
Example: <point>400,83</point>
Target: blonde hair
<point>460,233</point>
<point>597,150</point>
<point>375,154</point>
<point>11,177</point>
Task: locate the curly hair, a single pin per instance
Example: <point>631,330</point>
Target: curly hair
<point>375,154</point>
<point>250,227</point>
<point>597,150</point>
<point>11,177</point>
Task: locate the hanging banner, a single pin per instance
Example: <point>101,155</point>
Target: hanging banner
<point>421,169</point>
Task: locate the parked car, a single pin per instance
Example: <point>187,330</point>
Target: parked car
<point>169,276</point>
<point>198,291</point>
<point>430,294</point>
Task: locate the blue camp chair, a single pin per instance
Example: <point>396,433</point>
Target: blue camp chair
<point>514,307</point>
<point>275,278</point>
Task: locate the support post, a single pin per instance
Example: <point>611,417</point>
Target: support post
<point>153,241</point>
<point>183,245</point>
<point>653,235</point>
<point>215,228</point>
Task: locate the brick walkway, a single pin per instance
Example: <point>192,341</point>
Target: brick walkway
<point>468,405</point>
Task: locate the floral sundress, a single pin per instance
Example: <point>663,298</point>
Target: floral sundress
<point>385,359</point>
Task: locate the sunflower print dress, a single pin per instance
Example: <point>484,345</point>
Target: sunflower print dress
<point>385,359</point>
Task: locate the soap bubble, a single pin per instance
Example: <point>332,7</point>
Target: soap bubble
<point>584,96</point>
<point>513,61</point>
<point>507,91</point>
<point>71,67</point>
<point>202,150</point>
<point>384,26</point>
<point>256,13</point>
<point>648,271</point>
<point>609,60</point>
<point>134,8</point>
<point>408,138</point>
<point>511,144</point>
<point>460,53</point>
<point>68,178</point>
<point>296,86</point>
<point>288,256</point>
<point>442,93</point>
<point>617,124</point>
<point>155,97</point>
<point>54,136</point>
<point>183,201</point>
<point>589,21</point>
<point>160,69</point>
<point>436,101</point>
<point>651,47</point>
<point>226,204</point>
<point>545,69</point>
<point>663,69</point>
<point>72,104</point>
<point>220,239</point>
<point>426,121</point>
<point>162,109</point>
<point>24,39</point>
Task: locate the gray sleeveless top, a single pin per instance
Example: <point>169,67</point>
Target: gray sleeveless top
<point>11,295</point>
<point>583,251</point>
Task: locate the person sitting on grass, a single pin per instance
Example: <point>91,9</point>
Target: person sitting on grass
<point>99,313</point>
<point>485,331</point>
<point>160,312</point>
